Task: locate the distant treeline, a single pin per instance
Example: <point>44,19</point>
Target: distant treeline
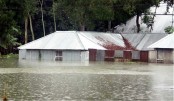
<point>22,21</point>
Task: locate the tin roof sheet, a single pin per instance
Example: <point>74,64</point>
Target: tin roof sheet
<point>75,40</point>
<point>56,40</point>
<point>166,42</point>
<point>107,40</point>
<point>142,41</point>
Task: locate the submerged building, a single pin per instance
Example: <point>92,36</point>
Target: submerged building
<point>69,45</point>
<point>141,43</point>
<point>97,46</point>
<point>163,50</point>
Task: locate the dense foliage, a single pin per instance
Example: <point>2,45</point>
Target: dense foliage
<point>169,29</point>
<point>26,20</point>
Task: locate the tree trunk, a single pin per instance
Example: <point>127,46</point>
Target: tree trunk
<point>151,27</point>
<point>26,31</point>
<point>109,25</point>
<point>54,16</point>
<point>172,17</point>
<point>82,27</point>
<point>137,22</point>
<point>41,8</point>
<point>31,26</point>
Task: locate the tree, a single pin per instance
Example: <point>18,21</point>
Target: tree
<point>26,29</point>
<point>8,26</point>
<point>31,27</point>
<point>85,13</point>
<point>41,8</point>
<point>138,7</point>
<point>29,16</point>
<point>103,10</point>
<point>54,14</point>
<point>148,19</point>
<point>29,8</point>
<point>169,29</point>
<point>79,11</point>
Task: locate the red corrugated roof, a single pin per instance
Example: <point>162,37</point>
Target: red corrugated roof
<point>111,46</point>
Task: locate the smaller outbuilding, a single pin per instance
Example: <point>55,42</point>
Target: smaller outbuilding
<point>164,49</point>
<point>141,42</point>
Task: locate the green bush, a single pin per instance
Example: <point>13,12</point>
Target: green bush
<point>169,29</point>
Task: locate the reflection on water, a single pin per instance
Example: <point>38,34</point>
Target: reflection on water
<point>51,81</point>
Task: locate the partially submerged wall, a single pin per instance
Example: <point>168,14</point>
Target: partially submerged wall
<point>48,55</point>
<point>118,55</point>
<point>161,56</point>
<point>152,56</point>
<point>173,55</point>
<point>22,54</point>
<point>54,55</point>
<point>166,55</point>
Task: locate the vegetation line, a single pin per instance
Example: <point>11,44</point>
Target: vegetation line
<point>22,21</point>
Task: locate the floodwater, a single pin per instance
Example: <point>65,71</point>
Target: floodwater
<point>93,81</point>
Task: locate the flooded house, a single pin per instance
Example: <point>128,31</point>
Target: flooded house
<point>70,46</point>
<point>141,42</point>
<point>164,49</point>
<point>91,46</point>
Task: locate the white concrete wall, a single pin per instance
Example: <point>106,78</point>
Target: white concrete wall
<point>22,54</point>
<point>166,55</point>
<point>136,55</point>
<point>100,56</point>
<point>152,56</point>
<point>67,55</point>
<point>48,54</point>
<point>84,55</point>
<point>32,55</point>
<point>119,53</point>
<point>75,55</point>
<point>173,56</point>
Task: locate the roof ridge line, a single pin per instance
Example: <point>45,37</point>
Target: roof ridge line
<point>77,34</point>
<point>49,39</point>
<point>91,40</point>
<point>116,40</point>
<point>141,40</point>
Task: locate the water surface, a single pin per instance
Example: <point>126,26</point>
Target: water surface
<point>83,81</point>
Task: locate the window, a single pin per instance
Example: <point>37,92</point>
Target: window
<point>58,56</point>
